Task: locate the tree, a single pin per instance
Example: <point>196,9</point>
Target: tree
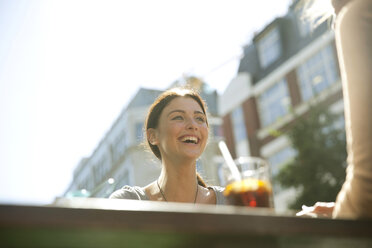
<point>318,169</point>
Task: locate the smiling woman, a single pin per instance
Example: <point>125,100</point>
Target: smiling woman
<point>177,132</point>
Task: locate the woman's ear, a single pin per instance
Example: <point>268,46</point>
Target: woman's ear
<point>151,136</point>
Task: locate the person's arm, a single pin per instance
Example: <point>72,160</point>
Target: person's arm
<point>353,36</point>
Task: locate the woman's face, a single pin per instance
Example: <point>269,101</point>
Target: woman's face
<point>182,130</point>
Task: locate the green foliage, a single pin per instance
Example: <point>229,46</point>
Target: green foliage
<point>318,169</point>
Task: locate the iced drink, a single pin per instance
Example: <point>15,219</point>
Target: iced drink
<point>249,192</point>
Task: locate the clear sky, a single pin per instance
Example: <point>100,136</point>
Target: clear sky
<point>68,68</point>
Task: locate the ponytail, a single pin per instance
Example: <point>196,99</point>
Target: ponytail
<point>200,180</point>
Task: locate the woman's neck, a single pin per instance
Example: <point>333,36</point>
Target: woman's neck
<point>178,182</point>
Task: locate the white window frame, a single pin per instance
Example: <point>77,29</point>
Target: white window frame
<point>321,68</point>
<point>269,47</point>
<point>266,100</point>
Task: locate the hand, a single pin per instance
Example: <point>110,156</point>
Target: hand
<point>320,209</point>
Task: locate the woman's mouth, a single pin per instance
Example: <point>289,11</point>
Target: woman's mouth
<point>189,139</point>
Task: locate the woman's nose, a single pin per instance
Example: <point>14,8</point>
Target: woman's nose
<point>191,124</point>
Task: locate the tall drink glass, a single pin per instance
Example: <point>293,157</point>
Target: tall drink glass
<point>253,187</point>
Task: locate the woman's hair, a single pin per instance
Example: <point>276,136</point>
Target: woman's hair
<point>155,110</point>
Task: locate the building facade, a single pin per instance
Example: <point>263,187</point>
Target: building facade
<point>286,68</point>
<point>121,158</point>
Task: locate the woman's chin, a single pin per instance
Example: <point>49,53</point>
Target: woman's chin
<point>191,155</point>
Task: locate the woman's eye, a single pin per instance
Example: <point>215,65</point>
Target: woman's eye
<point>178,117</point>
<point>200,119</point>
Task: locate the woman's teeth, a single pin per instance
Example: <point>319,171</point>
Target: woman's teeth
<point>190,139</point>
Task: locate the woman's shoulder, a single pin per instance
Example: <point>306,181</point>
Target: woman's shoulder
<point>218,190</point>
<point>129,193</point>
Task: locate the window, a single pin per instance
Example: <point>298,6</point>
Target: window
<point>217,130</point>
<point>317,73</point>
<point>311,18</point>
<point>139,131</point>
<point>119,146</point>
<point>279,158</point>
<point>238,125</point>
<point>304,24</point>
<point>269,48</point>
<point>304,27</point>
<point>274,103</point>
<point>240,133</point>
